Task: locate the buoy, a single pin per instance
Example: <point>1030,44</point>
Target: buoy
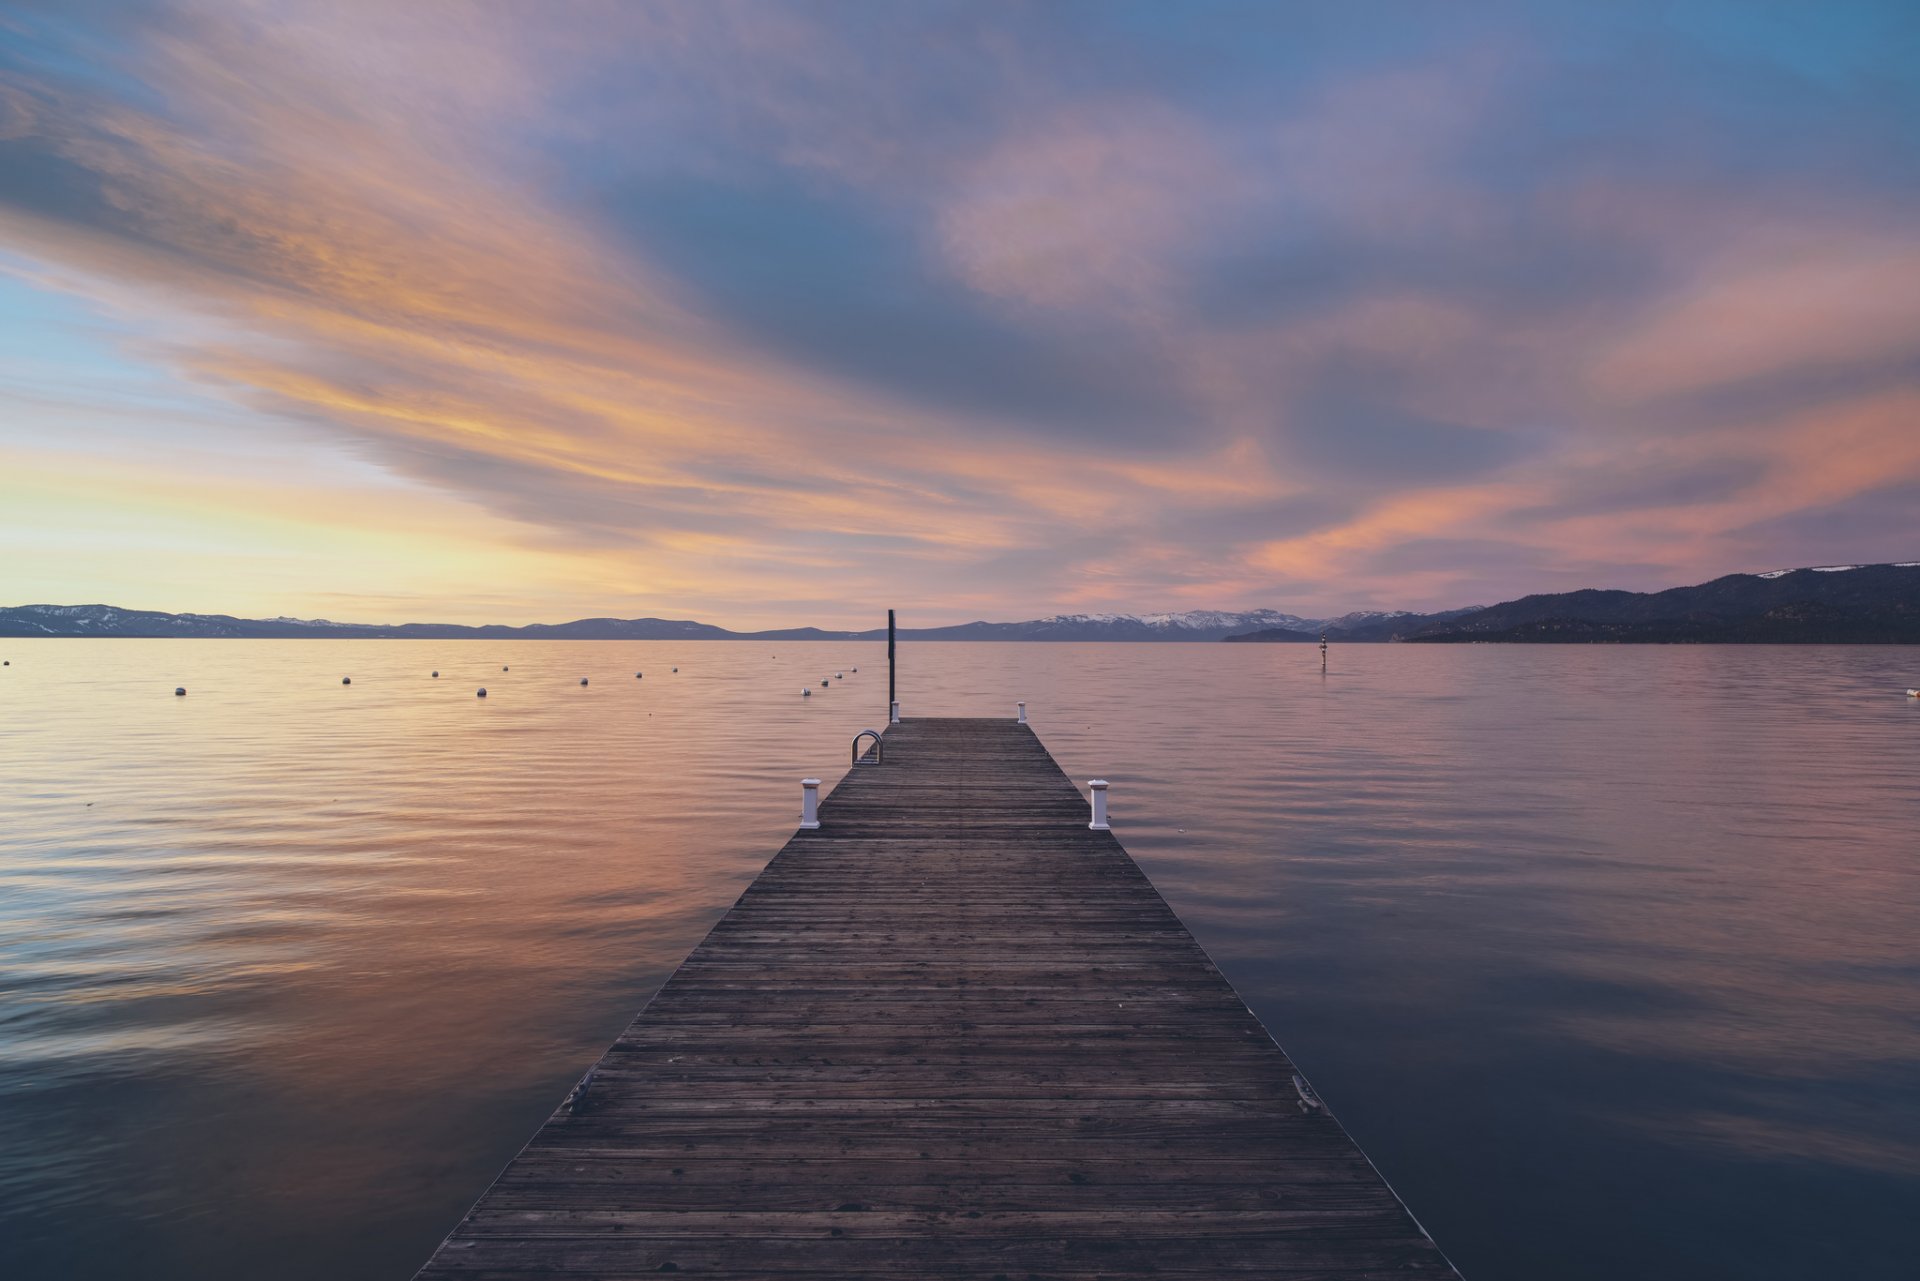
<point>436,676</point>
<point>1913,693</point>
<point>856,669</point>
<point>636,676</point>
<point>676,669</point>
<point>481,692</point>
<point>503,669</point>
<point>180,691</point>
<point>346,680</point>
<point>805,693</point>
<point>823,684</point>
<point>839,676</point>
<point>583,680</point>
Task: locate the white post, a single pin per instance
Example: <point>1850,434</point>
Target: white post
<point>809,804</point>
<point>896,711</point>
<point>1023,712</point>
<point>1099,786</point>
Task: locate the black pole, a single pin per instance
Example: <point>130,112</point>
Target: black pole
<point>891,695</point>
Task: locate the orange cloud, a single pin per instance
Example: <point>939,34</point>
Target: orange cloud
<point>1797,300</point>
<point>391,253</point>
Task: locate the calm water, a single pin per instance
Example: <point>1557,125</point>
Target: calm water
<point>1609,957</point>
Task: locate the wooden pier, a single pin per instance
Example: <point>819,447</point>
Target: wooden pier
<point>951,1033</point>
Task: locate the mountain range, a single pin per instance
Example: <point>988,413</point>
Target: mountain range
<point>1361,625</point>
<point>1197,625</point>
<point>1829,603</point>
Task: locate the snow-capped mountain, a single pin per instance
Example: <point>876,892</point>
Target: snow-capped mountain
<point>108,620</point>
<point>1834,569</point>
<point>1188,625</point>
<point>1363,618</point>
<point>1193,624</point>
<point>1192,620</point>
<point>1357,625</point>
<point>1184,625</point>
<point>1856,603</point>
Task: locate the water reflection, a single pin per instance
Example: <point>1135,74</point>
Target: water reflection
<point>1605,955</point>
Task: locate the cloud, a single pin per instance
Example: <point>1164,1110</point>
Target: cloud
<point>1345,429</point>
<point>829,286</point>
<point>982,310</point>
<point>1875,525</point>
<point>1651,479</point>
<point>1788,300</point>
<point>1093,209</point>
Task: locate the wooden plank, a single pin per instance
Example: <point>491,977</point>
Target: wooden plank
<point>951,1033</point>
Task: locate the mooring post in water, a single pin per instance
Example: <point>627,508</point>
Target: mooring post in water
<point>1099,786</point>
<point>809,804</point>
<point>893,705</point>
<point>1022,718</point>
<point>1323,653</point>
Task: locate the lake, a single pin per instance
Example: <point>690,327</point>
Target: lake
<point>1608,956</point>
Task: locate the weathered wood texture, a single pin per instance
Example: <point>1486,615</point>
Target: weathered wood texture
<point>952,1033</point>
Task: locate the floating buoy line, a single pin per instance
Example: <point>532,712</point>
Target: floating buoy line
<point>826,682</point>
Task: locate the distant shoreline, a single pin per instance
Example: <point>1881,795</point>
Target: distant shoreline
<point>1821,605</point>
<point>1563,642</point>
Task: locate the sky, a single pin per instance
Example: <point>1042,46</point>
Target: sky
<point>779,313</point>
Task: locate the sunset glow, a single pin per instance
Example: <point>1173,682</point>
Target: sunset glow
<point>779,314</point>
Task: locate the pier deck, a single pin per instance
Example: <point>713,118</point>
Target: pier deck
<point>951,1033</point>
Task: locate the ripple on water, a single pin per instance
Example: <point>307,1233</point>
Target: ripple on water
<point>287,972</point>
